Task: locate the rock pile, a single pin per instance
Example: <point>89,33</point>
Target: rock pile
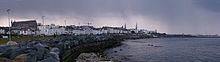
<point>91,57</point>
<point>46,50</point>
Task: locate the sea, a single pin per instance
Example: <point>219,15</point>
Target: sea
<point>167,50</point>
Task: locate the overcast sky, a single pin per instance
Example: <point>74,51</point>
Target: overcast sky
<point>170,16</point>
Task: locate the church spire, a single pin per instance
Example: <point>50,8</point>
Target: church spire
<point>136,26</point>
<point>125,26</point>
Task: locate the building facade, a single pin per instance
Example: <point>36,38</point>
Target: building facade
<point>4,30</point>
<point>24,27</point>
<point>51,30</point>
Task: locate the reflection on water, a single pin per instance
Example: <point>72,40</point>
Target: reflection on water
<point>167,50</point>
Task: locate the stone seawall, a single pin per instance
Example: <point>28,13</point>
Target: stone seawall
<point>63,48</point>
<point>71,55</point>
<point>97,47</point>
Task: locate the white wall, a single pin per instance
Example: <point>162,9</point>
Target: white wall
<point>51,30</point>
<point>2,31</point>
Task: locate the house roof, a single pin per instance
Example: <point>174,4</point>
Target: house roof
<point>25,24</point>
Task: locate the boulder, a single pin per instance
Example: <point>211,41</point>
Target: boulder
<point>21,58</point>
<point>11,43</point>
<point>5,60</point>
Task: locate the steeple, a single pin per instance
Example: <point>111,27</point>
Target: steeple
<point>125,26</point>
<point>136,26</point>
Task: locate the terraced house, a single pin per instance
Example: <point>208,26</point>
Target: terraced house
<point>3,30</point>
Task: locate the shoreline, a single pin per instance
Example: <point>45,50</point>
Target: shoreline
<point>89,48</point>
<point>65,48</point>
<point>144,50</point>
<point>109,45</point>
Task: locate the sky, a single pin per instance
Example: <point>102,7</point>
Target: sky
<point>168,16</point>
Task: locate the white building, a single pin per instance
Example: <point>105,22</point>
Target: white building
<point>83,32</point>
<point>79,30</point>
<point>52,30</point>
<point>111,30</point>
<point>97,32</point>
<point>2,31</point>
<point>27,32</point>
<point>144,31</point>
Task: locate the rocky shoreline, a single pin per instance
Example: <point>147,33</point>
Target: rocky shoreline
<point>64,48</point>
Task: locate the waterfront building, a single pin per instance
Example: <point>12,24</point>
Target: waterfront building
<point>29,28</point>
<point>24,27</point>
<point>144,31</point>
<point>81,30</point>
<point>97,31</point>
<point>25,32</point>
<point>111,30</point>
<point>51,30</point>
<point>3,30</point>
<point>31,24</point>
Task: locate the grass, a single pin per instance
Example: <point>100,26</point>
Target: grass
<point>5,40</point>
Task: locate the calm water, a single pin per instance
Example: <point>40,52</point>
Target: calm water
<point>167,50</point>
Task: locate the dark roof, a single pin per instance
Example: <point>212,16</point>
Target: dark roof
<point>32,24</point>
<point>30,21</point>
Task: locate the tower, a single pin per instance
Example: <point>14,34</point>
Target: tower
<point>43,19</point>
<point>125,26</point>
<point>65,22</point>
<point>136,26</point>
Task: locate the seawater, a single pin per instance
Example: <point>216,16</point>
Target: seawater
<point>167,50</point>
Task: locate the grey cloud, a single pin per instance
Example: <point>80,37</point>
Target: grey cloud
<point>177,16</point>
<point>212,5</point>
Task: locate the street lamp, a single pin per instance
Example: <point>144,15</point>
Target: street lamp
<point>9,28</point>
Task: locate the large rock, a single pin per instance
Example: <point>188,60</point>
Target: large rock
<point>11,43</point>
<point>51,57</point>
<point>21,58</point>
<point>12,53</point>
<point>5,60</point>
<point>87,57</point>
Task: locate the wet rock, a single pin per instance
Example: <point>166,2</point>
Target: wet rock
<point>46,50</point>
<point>90,57</point>
<point>12,53</point>
<point>11,43</point>
<point>3,49</point>
<point>21,58</point>
<point>5,60</point>
<point>41,51</point>
<point>55,50</point>
<point>32,57</point>
<point>51,57</point>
